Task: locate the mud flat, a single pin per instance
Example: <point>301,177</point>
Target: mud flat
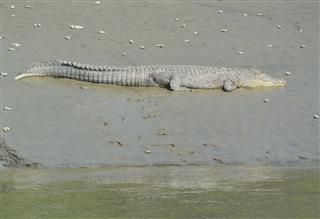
<point>64,123</point>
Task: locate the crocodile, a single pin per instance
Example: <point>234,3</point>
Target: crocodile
<point>174,77</point>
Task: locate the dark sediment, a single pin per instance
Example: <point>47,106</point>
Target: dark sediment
<point>10,158</point>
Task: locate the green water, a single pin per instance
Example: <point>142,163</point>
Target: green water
<point>161,192</point>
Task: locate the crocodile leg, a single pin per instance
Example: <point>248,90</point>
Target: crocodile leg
<point>229,86</point>
<point>175,84</point>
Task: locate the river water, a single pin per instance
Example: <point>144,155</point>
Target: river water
<point>161,192</point>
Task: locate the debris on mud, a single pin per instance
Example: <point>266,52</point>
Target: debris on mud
<point>10,158</point>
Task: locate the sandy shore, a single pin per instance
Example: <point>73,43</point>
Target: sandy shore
<point>67,123</point>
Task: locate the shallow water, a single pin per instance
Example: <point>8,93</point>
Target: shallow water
<point>161,192</point>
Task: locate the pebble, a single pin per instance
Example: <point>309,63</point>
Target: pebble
<point>302,46</point>
<point>224,30</point>
<point>270,45</point>
<point>36,25</point>
<point>27,6</point>
<point>131,42</point>
<point>220,12</point>
<point>124,54</point>
<point>183,25</point>
<point>259,14</point>
<point>12,6</point>
<point>195,32</point>
<point>97,2</point>
<point>142,47</point>
<point>266,100</point>
<point>12,49</point>
<point>76,27</point>
<point>316,116</point>
<point>288,73</point>
<point>147,151</point>
<point>7,108</point>
<point>187,40</point>
<point>245,14</point>
<point>160,45</point>
<point>6,129</point>
<point>15,44</point>
<point>240,53</point>
<point>176,19</point>
<point>0,37</point>
<point>13,15</point>
<point>67,37</point>
<point>279,26</point>
<point>4,74</point>
<point>102,32</point>
<point>301,30</point>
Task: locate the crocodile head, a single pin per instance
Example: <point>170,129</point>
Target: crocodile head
<point>263,80</point>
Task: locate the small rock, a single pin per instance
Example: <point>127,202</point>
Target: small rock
<point>300,29</point>
<point>259,14</point>
<point>187,40</point>
<point>240,53</point>
<point>6,129</point>
<point>302,46</point>
<point>36,25</point>
<point>220,12</point>
<point>27,6</point>
<point>162,132</point>
<point>124,54</point>
<point>7,108</point>
<point>15,44</point>
<point>4,74</point>
<point>0,37</point>
<point>105,123</point>
<point>316,116</point>
<point>245,14</point>
<point>147,151</point>
<point>13,15</point>
<point>183,25</point>
<point>102,32</point>
<point>218,160</point>
<point>76,27</point>
<point>67,37</point>
<point>224,30</point>
<point>160,45</point>
<point>142,47</point>
<point>97,2</point>
<point>131,42</point>
<point>12,49</point>
<point>279,26</point>
<point>288,73</point>
<point>12,6</point>
<point>195,32</point>
<point>116,142</point>
<point>302,158</point>
<point>266,100</point>
<point>270,46</point>
<point>176,19</point>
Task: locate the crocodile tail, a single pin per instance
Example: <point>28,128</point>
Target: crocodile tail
<point>36,70</point>
<point>25,75</point>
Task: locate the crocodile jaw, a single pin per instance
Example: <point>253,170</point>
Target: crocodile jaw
<point>267,83</point>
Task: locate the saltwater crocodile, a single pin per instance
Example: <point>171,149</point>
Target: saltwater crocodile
<point>175,77</point>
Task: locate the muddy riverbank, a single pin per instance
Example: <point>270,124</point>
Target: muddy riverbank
<point>64,123</point>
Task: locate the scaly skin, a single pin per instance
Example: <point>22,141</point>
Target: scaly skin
<point>177,77</point>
